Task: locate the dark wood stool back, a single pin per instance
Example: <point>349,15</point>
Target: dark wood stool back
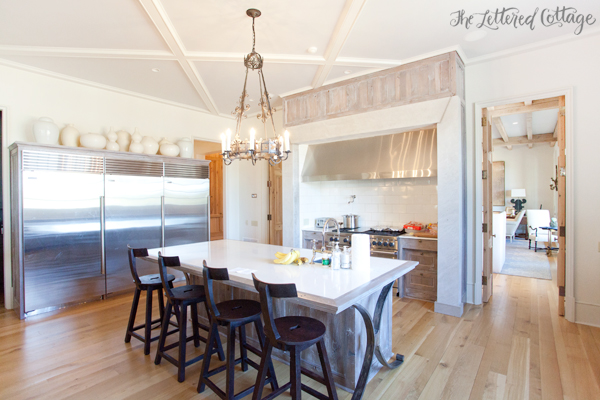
<point>293,334</point>
<point>149,284</point>
<point>232,314</point>
<point>179,299</point>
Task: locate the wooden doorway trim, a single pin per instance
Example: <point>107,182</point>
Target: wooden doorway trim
<point>567,184</point>
<point>562,207</point>
<point>275,216</point>
<point>487,228</point>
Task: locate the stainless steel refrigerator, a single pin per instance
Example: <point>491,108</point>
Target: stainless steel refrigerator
<point>74,215</point>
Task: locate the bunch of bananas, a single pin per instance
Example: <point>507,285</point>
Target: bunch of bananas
<point>292,257</point>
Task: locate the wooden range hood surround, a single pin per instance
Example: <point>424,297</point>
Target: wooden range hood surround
<point>429,92</point>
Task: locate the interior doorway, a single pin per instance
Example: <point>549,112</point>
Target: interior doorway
<point>540,141</point>
<point>212,151</point>
<point>275,216</point>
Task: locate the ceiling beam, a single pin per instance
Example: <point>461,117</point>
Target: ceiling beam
<point>163,24</point>
<point>500,127</point>
<point>523,140</point>
<point>501,111</point>
<point>556,130</point>
<point>73,52</point>
<point>350,14</point>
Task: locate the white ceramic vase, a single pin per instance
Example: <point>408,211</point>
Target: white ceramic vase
<point>92,141</point>
<point>112,141</point>
<point>124,140</point>
<point>136,146</point>
<point>150,145</point>
<point>168,149</point>
<point>69,136</point>
<point>45,131</point>
<point>186,148</point>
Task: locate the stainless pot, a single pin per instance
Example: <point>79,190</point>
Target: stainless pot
<point>350,221</point>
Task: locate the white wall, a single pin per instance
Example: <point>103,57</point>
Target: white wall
<point>568,64</point>
<point>529,169</point>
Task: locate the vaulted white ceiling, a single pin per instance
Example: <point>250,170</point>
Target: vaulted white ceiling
<point>198,45</point>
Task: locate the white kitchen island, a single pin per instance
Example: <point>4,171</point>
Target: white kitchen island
<point>329,296</point>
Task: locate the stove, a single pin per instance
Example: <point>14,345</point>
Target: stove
<point>384,241</point>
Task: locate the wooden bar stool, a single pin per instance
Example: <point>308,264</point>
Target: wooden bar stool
<point>232,314</point>
<point>149,284</point>
<point>293,334</point>
<point>180,298</point>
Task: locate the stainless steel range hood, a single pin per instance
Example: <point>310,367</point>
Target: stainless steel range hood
<point>401,155</point>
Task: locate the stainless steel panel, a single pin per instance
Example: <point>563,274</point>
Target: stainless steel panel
<point>186,171</point>
<point>132,217</point>
<point>61,238</point>
<point>402,155</point>
<point>133,167</point>
<point>186,211</point>
<point>37,161</point>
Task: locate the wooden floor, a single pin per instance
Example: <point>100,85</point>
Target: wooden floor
<point>514,347</point>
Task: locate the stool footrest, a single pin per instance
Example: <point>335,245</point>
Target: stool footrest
<point>313,376</point>
<point>313,392</point>
<point>276,393</point>
<point>142,326</point>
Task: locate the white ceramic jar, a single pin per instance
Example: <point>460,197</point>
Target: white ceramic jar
<point>150,145</point>
<point>112,141</point>
<point>168,149</point>
<point>186,148</point>
<point>124,140</point>
<point>136,146</point>
<point>69,136</point>
<point>45,131</point>
<point>92,141</point>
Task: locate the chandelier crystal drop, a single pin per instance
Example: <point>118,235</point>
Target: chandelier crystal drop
<point>275,149</point>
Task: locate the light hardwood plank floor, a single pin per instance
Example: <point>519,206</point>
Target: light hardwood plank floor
<point>514,347</point>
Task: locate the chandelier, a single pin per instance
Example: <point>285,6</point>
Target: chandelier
<point>275,149</point>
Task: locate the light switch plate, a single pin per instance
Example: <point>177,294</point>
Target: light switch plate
<point>254,195</point>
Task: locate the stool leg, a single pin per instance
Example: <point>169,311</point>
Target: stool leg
<point>206,360</point>
<point>163,333</point>
<point>229,390</point>
<point>295,374</point>
<point>195,329</point>
<point>271,369</point>
<point>262,371</point>
<point>182,342</point>
<point>331,391</point>
<point>243,351</point>
<point>148,324</point>
<point>161,303</point>
<point>218,347</point>
<point>134,307</point>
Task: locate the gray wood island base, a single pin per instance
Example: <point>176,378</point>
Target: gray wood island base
<point>358,343</point>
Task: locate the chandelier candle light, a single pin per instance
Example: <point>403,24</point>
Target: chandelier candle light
<point>275,149</point>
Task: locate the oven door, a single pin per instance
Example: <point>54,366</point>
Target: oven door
<point>385,253</point>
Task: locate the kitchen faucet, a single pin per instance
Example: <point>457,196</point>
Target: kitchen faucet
<point>324,246</point>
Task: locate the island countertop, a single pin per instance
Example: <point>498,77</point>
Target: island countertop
<point>318,287</point>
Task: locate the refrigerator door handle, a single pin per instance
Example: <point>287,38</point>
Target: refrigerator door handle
<point>102,244</point>
<point>208,216</point>
<point>162,221</point>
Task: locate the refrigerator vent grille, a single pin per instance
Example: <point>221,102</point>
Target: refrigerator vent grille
<point>186,171</point>
<point>133,167</point>
<point>62,162</point>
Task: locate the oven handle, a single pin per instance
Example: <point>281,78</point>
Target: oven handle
<point>385,252</point>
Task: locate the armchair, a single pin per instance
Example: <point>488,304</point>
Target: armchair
<point>536,219</point>
<point>513,225</point>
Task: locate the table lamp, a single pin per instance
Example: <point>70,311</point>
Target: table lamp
<point>515,194</point>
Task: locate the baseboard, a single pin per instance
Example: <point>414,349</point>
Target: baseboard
<point>587,314</point>
<point>570,308</point>
<point>471,293</point>
<point>455,311</point>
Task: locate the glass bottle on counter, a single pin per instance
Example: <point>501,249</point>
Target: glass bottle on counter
<point>345,258</point>
<point>336,257</point>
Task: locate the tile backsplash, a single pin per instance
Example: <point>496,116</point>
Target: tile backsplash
<point>379,202</point>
